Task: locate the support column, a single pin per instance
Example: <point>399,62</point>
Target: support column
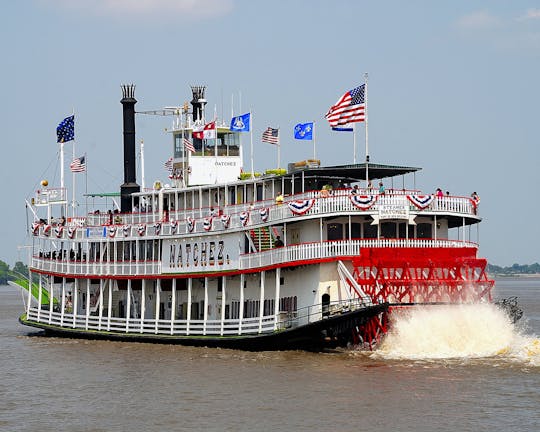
<point>261,300</point>
<point>205,313</point>
<point>189,288</point>
<point>100,303</point>
<point>158,300</point>
<point>75,300</point>
<point>241,312</point>
<point>224,285</point>
<point>173,305</point>
<point>276,301</point>
<point>128,305</point>
<point>51,298</point>
<point>63,307</point>
<point>109,306</point>
<point>143,304</point>
<point>87,312</point>
<point>39,296</point>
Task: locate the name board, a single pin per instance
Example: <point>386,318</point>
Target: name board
<point>393,211</point>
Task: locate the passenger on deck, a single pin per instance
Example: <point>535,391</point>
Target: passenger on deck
<point>279,198</point>
<point>381,188</point>
<point>439,193</point>
<point>278,242</point>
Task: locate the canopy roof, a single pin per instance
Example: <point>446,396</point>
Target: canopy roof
<point>356,172</point>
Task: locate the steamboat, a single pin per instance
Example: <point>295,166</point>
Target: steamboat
<point>309,257</point>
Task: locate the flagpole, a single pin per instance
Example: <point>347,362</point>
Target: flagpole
<point>251,139</point>
<point>73,183</point>
<point>143,183</point>
<point>278,151</point>
<point>86,182</point>
<point>354,142</point>
<point>314,151</point>
<point>366,121</point>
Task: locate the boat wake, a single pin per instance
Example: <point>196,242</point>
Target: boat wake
<point>457,332</point>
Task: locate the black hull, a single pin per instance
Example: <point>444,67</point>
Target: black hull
<point>332,332</point>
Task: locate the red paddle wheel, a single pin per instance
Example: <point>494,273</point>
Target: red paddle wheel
<point>406,276</point>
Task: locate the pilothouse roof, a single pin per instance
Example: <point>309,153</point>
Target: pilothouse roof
<point>355,172</point>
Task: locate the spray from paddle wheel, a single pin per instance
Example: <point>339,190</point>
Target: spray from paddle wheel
<point>417,276</point>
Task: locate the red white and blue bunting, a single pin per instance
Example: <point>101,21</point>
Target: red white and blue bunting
<point>157,228</point>
<point>244,218</point>
<point>207,223</point>
<point>141,229</point>
<point>174,226</point>
<point>112,231</point>
<point>264,214</point>
<point>225,220</point>
<point>363,202</point>
<point>126,229</point>
<point>71,231</point>
<point>58,230</point>
<point>35,228</point>
<point>190,224</point>
<point>421,201</point>
<point>300,207</point>
<point>47,230</point>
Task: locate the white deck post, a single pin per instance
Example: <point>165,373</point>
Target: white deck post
<point>189,287</point>
<point>224,279</point>
<point>128,305</point>
<point>143,304</point>
<point>158,300</point>
<point>261,301</point>
<point>75,300</point>
<point>173,305</point>
<point>205,313</point>
<point>63,307</point>
<point>87,314</point>
<point>39,297</point>
<point>100,303</point>
<point>51,297</point>
<point>241,312</point>
<point>276,301</point>
<point>109,306</point>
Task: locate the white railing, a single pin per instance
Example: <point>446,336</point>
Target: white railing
<point>294,253</point>
<point>337,202</point>
<point>338,248</point>
<point>167,327</point>
<point>152,326</point>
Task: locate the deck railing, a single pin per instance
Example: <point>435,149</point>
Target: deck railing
<point>181,327</point>
<point>338,202</point>
<point>292,254</point>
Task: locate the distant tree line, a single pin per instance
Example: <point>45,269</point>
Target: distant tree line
<point>514,269</point>
<point>6,274</point>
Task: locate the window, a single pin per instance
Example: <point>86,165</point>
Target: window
<point>423,230</point>
<point>335,231</point>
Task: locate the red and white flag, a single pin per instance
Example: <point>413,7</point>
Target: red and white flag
<point>208,131</point>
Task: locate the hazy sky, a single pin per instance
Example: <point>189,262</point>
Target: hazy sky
<point>453,88</point>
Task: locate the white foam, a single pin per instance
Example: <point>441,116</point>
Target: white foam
<point>457,331</point>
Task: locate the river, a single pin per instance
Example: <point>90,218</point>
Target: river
<point>456,370</point>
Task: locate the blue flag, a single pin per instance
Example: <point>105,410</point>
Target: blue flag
<point>303,131</point>
<point>240,123</point>
<point>65,131</point>
<point>343,129</point>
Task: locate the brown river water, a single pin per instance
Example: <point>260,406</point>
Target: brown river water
<point>450,370</point>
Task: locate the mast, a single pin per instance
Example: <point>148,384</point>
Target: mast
<point>366,121</point>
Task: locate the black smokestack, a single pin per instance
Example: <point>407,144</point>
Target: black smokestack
<point>130,184</point>
<point>198,102</point>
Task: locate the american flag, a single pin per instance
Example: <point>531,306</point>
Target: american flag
<point>169,164</point>
<point>271,136</point>
<point>350,108</point>
<point>188,145</point>
<point>78,164</point>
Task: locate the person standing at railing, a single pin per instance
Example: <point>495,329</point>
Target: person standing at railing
<point>381,188</point>
<point>439,193</point>
<point>279,198</point>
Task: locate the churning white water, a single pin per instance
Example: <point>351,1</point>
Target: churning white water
<point>458,331</point>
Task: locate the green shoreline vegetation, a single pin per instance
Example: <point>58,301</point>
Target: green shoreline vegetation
<point>19,270</point>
